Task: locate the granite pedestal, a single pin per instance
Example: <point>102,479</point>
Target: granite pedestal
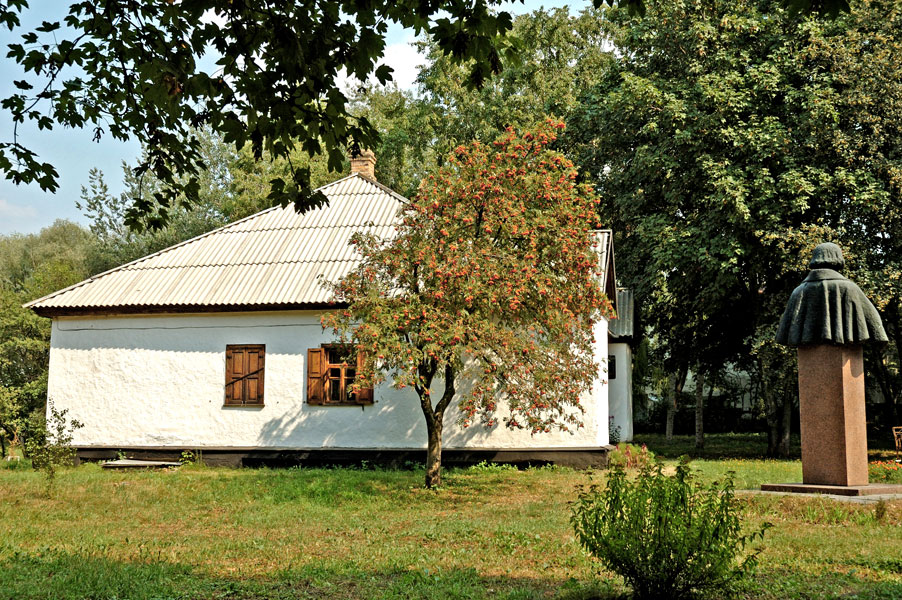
<point>831,402</point>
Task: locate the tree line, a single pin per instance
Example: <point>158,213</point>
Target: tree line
<point>724,139</point>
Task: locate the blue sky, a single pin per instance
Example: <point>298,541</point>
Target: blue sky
<point>27,209</point>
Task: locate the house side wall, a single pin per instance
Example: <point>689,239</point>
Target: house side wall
<point>621,390</point>
<point>158,381</point>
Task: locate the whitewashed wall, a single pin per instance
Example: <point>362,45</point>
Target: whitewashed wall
<point>159,381</point>
<point>620,390</point>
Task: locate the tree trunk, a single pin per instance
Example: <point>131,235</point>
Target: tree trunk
<point>434,455</point>
<point>671,408</point>
<point>783,448</point>
<point>700,410</point>
<point>434,420</point>
<point>770,411</point>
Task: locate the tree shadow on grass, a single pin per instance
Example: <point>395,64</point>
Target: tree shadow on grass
<point>54,574</point>
<point>787,583</point>
<point>59,575</point>
<point>717,445</point>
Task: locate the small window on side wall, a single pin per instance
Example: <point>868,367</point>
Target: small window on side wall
<point>244,374</point>
<point>612,366</point>
<point>331,372</point>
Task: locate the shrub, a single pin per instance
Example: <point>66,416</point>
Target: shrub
<point>667,536</point>
<point>487,467</point>
<point>887,471</point>
<point>49,444</point>
<point>613,431</point>
<point>630,456</point>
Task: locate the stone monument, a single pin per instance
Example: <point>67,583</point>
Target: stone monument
<point>829,319</point>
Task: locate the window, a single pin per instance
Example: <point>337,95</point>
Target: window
<point>331,371</point>
<point>612,366</point>
<point>244,375</point>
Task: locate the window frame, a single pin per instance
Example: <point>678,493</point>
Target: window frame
<point>342,377</point>
<point>232,379</point>
<point>319,389</point>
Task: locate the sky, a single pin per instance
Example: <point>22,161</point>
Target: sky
<point>27,209</point>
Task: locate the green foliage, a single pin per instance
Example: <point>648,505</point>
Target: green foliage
<point>885,471</point>
<point>30,267</point>
<point>630,457</point>
<point>134,70</point>
<point>667,535</point>
<point>559,56</point>
<point>727,140</point>
<point>410,143</point>
<point>487,467</point>
<point>490,280</point>
<point>49,443</point>
<point>613,432</point>
<point>116,244</point>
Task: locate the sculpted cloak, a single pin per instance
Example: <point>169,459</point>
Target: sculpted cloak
<point>828,308</point>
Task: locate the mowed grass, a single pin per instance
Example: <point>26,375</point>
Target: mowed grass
<point>490,532</point>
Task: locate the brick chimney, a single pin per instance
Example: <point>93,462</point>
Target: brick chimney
<point>365,164</point>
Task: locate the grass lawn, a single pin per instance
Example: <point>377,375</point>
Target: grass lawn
<point>345,534</point>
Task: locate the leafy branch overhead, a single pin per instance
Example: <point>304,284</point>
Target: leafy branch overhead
<point>137,69</point>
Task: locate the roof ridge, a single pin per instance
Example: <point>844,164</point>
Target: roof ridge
<point>365,224</point>
<point>263,262</point>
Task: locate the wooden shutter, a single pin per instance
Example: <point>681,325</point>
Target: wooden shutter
<point>233,385</point>
<point>245,368</point>
<point>253,379</point>
<point>364,395</point>
<point>316,389</point>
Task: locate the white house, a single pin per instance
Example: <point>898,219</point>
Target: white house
<point>215,344</point>
<point>619,368</point>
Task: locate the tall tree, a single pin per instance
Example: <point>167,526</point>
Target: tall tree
<point>487,294</point>
<point>559,55</point>
<point>135,69</point>
<point>729,139</point>
<point>30,267</point>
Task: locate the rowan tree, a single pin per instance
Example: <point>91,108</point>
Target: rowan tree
<point>488,293</point>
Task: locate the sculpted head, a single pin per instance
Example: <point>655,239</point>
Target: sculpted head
<point>827,256</point>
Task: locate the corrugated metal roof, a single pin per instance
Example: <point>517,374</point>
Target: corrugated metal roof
<point>623,325</point>
<point>276,257</point>
<point>604,241</point>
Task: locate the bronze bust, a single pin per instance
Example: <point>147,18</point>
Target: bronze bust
<point>828,308</point>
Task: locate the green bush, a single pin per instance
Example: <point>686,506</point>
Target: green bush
<point>630,456</point>
<point>885,471</point>
<point>49,443</point>
<point>667,535</point>
<point>487,467</point>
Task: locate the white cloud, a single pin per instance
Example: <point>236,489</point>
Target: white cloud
<point>405,60</point>
<point>11,210</point>
<point>23,217</point>
<point>402,57</point>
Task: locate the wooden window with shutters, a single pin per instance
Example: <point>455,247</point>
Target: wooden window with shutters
<point>331,371</point>
<point>244,374</point>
